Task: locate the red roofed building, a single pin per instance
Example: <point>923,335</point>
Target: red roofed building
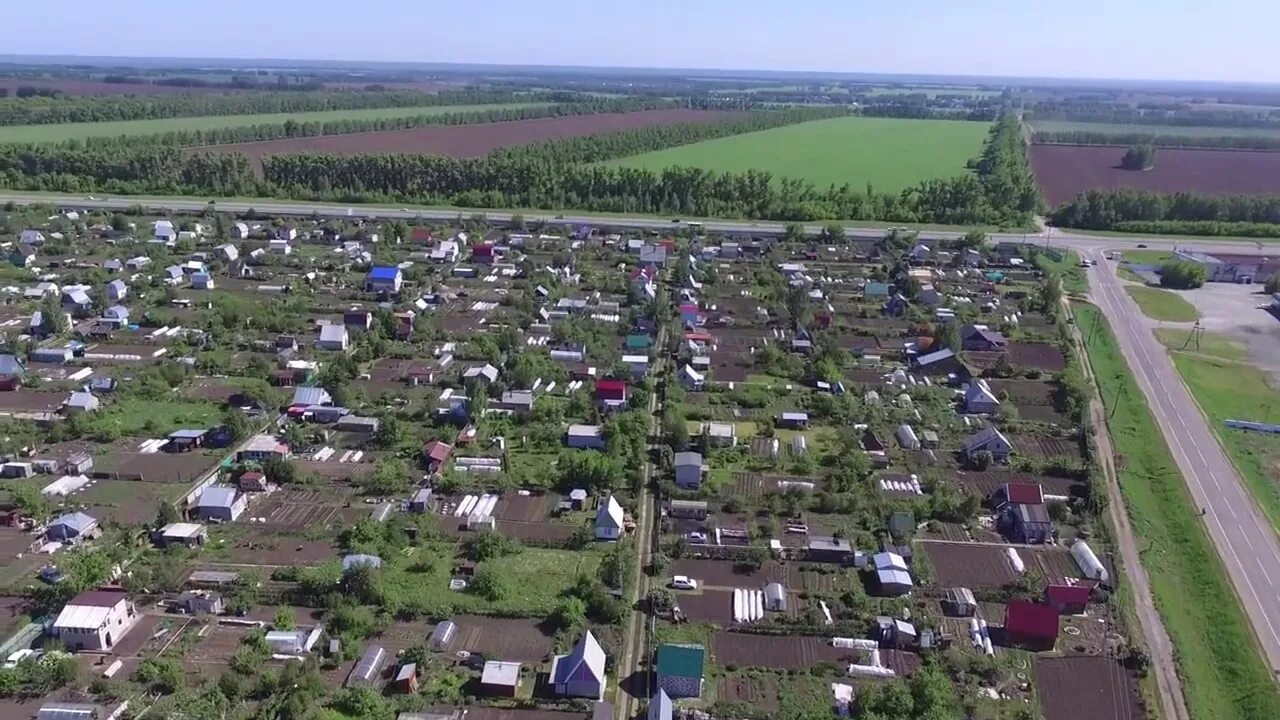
<point>1068,598</point>
<point>1031,625</point>
<point>420,234</point>
<point>611,394</point>
<point>669,244</point>
<point>483,253</point>
<point>436,454</point>
<point>698,337</point>
<point>1024,493</point>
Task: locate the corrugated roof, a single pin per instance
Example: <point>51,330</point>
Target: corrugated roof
<point>587,654</point>
<point>78,521</point>
<point>684,661</point>
<point>384,273</point>
<point>1032,619</point>
<point>217,496</point>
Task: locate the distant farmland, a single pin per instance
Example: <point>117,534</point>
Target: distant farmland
<point>1170,130</point>
<point>76,131</point>
<point>889,154</point>
<point>1063,171</point>
<point>471,140</point>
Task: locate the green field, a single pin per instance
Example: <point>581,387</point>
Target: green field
<point>889,154</point>
<point>1163,305</point>
<point>1172,130</point>
<point>1225,677</point>
<point>1210,344</point>
<point>76,131</point>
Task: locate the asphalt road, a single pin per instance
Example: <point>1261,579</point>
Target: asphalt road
<point>1247,544</point>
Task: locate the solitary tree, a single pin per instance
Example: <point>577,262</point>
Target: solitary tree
<point>1139,157</point>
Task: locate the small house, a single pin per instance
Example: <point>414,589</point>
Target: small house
<point>1070,597</point>
<point>720,434</point>
<point>186,440</point>
<point>1030,625</point>
<point>81,402</point>
<point>279,246</point>
<point>959,602</point>
<point>828,549</point>
<point>357,319</point>
<point>609,519</point>
<point>384,280</point>
<point>220,504</point>
<point>979,400</point>
<point>435,455</point>
<point>938,362</point>
<point>688,509</point>
<point>581,673</point>
<point>500,679</point>
<point>421,500</point>
<point>691,379</point>
<point>793,420</point>
<point>689,470</point>
<point>200,602</point>
<point>680,669</point>
<point>991,440</point>
<point>660,706</point>
<point>1029,523</point>
<point>261,448</point>
<point>95,620</point>
<point>406,679</point>
<point>611,394</point>
<point>72,527</point>
<point>519,402</point>
<point>333,337</point>
<point>183,534</point>
<point>585,437</point>
<point>117,290</point>
<point>979,338</point>
<point>892,574</point>
<point>202,281</point>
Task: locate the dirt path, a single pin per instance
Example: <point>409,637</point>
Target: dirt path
<point>1159,646</point>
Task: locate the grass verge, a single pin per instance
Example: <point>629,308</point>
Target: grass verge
<point>1163,305</point>
<point>1067,269</point>
<point>1210,344</point>
<point>1219,660</point>
<point>1226,389</point>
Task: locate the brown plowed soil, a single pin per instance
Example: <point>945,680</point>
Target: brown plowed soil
<point>1064,171</point>
<point>465,141</point>
<point>1087,687</point>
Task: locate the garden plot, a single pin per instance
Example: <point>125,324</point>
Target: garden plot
<point>136,460</point>
<point>514,639</point>
<point>306,508</point>
<point>1040,446</point>
<point>1098,688</point>
<point>252,546</point>
<point>987,482</point>
<point>760,692</point>
<point>796,652</point>
<point>1036,356</point>
<point>974,565</point>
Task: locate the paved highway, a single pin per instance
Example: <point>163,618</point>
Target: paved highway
<point>1246,542</point>
<point>1248,546</point>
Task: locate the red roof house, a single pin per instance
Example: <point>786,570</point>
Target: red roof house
<point>419,234</point>
<point>482,253</point>
<point>1030,624</point>
<point>1024,493</point>
<point>1068,598</point>
<point>435,454</point>
<point>611,392</point>
<point>698,337</point>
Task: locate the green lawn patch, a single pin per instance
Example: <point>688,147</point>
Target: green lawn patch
<point>77,131</point>
<point>535,577</point>
<point>1225,389</point>
<point>1225,677</point>
<point>1068,269</point>
<point>154,418</point>
<point>1146,257</point>
<point>888,153</point>
<point>1210,344</point>
<point>1163,305</point>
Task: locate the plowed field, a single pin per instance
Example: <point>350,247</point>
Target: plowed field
<point>1064,171</point>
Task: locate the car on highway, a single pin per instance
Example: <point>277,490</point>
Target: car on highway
<point>683,582</point>
<point>1142,246</point>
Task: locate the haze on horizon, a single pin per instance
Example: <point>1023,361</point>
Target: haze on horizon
<point>1230,40</point>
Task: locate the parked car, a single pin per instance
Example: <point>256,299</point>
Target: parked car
<point>697,536</point>
<point>682,582</point>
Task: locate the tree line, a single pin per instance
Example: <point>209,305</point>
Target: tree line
<point>1172,115</point>
<point>1133,210</point>
<point>44,111</point>
<point>296,129</point>
<point>1089,137</point>
<point>999,191</point>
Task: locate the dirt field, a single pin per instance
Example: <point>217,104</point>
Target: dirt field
<point>307,508</point>
<point>261,547</point>
<point>1064,171</point>
<point>155,467</point>
<point>721,573</point>
<point>758,692</point>
<point>1038,446</point>
<point>986,482</point>
<point>515,639</point>
<point>472,140</point>
<point>1087,687</point>
<point>707,606</point>
<point>793,652</point>
<point>1036,355</point>
<point>958,564</point>
<point>526,508</point>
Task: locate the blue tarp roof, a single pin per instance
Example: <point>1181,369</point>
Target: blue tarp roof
<point>384,273</point>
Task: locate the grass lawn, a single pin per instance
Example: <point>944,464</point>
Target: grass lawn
<point>1068,269</point>
<point>1211,344</point>
<point>1177,131</point>
<point>1146,257</point>
<point>73,131</point>
<point>535,579</point>
<point>887,153</point>
<point>1225,677</point>
<point>1126,274</point>
<point>1163,305</point>
<point>152,418</point>
<point>1227,389</point>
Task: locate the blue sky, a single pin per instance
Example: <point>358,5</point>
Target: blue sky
<point>1148,39</point>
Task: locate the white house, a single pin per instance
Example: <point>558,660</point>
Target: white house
<point>229,252</point>
<point>95,620</point>
<point>384,279</point>
<point>581,672</point>
<point>117,290</point>
<point>991,440</point>
<point>279,246</point>
<point>240,231</point>
<point>689,470</point>
<point>446,252</point>
<point>333,337</point>
<point>609,519</point>
<point>165,231</point>
<point>720,434</point>
<point>978,398</point>
<point>586,437</point>
<point>31,237</point>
